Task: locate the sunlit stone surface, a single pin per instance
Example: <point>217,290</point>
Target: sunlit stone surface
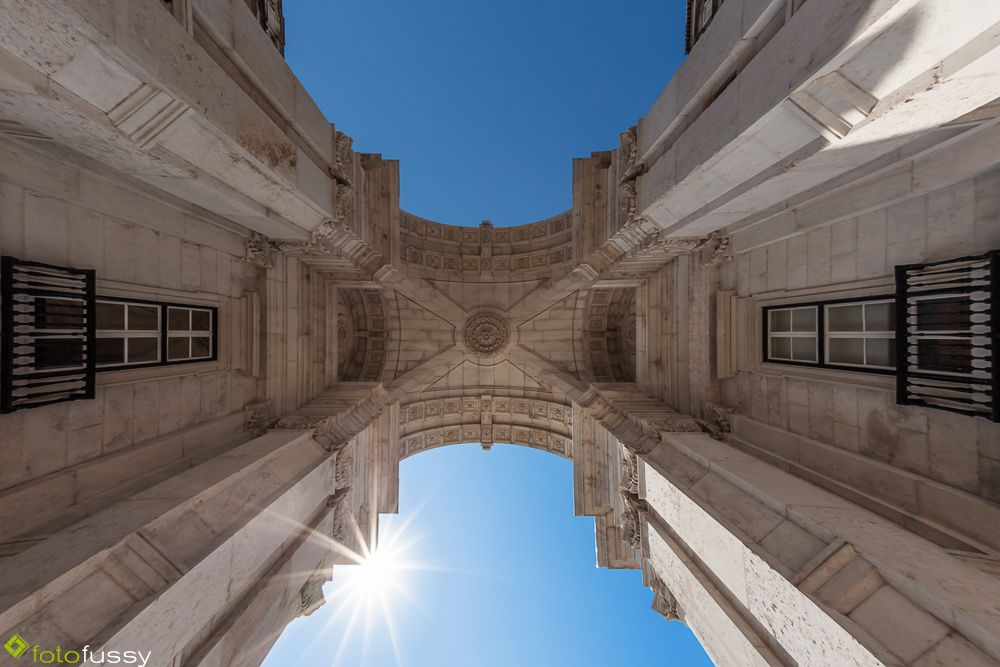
<point>794,513</point>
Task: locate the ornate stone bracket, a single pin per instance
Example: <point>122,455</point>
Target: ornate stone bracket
<point>257,421</point>
<point>632,509</point>
<point>664,602</point>
<point>342,156</point>
<point>717,420</point>
<point>715,250</point>
<point>311,595</point>
<point>629,467</point>
<point>628,176</point>
<point>259,251</point>
<point>343,518</point>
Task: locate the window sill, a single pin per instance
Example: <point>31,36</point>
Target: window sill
<point>856,379</point>
<point>134,375</point>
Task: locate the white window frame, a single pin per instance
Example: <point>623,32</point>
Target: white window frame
<point>125,333</point>
<point>190,333</point>
<point>865,335</point>
<point>814,334</point>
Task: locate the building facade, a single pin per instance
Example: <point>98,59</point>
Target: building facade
<point>764,334</point>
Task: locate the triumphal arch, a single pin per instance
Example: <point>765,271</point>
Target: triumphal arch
<point>764,334</point>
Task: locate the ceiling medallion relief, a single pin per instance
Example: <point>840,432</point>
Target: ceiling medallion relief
<point>486,335</point>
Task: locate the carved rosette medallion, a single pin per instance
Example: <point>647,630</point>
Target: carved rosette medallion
<point>486,335</point>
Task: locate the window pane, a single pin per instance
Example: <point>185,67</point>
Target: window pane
<point>178,348</point>
<point>110,316</point>
<point>110,351</point>
<point>881,352</point>
<point>781,348</point>
<point>200,346</point>
<point>781,320</point>
<point>179,319</point>
<point>201,320</point>
<point>804,349</point>
<point>880,317</point>
<point>804,319</point>
<point>946,314</point>
<point>143,318</point>
<point>943,354</point>
<point>142,350</point>
<point>59,313</point>
<point>847,351</point>
<point>58,353</point>
<point>845,318</point>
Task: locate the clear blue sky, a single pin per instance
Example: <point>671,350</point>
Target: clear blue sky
<point>508,578</point>
<point>485,103</point>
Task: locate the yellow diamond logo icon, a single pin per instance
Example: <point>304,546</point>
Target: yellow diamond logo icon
<point>16,645</point>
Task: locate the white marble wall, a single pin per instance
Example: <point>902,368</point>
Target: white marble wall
<point>143,247</point>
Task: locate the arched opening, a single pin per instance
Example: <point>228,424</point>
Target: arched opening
<point>499,574</point>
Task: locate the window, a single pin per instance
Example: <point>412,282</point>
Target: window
<point>853,335</point>
<point>132,333</point>
<point>700,14</point>
<point>861,334</point>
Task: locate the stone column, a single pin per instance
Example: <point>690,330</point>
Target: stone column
<point>182,569</point>
<point>772,570</point>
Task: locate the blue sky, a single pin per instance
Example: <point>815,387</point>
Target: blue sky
<point>508,578</point>
<point>485,103</point>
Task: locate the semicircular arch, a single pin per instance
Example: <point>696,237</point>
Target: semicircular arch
<point>540,424</point>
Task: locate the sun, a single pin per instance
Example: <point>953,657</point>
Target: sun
<point>377,573</point>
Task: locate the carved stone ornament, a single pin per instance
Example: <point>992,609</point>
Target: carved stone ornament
<point>257,421</point>
<point>343,518</point>
<point>664,602</point>
<point>344,470</point>
<point>311,595</point>
<point>486,335</point>
<point>259,251</point>
<point>627,176</point>
<point>677,424</point>
<point>342,156</point>
<point>715,249</point>
<point>716,422</point>
<point>345,204</point>
<point>631,523</point>
<point>304,422</point>
<point>629,466</point>
<point>674,246</point>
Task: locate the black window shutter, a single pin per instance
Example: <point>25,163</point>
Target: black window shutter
<point>47,334</point>
<point>947,335</point>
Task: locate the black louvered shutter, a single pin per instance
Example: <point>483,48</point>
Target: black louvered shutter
<point>947,335</point>
<point>47,334</point>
